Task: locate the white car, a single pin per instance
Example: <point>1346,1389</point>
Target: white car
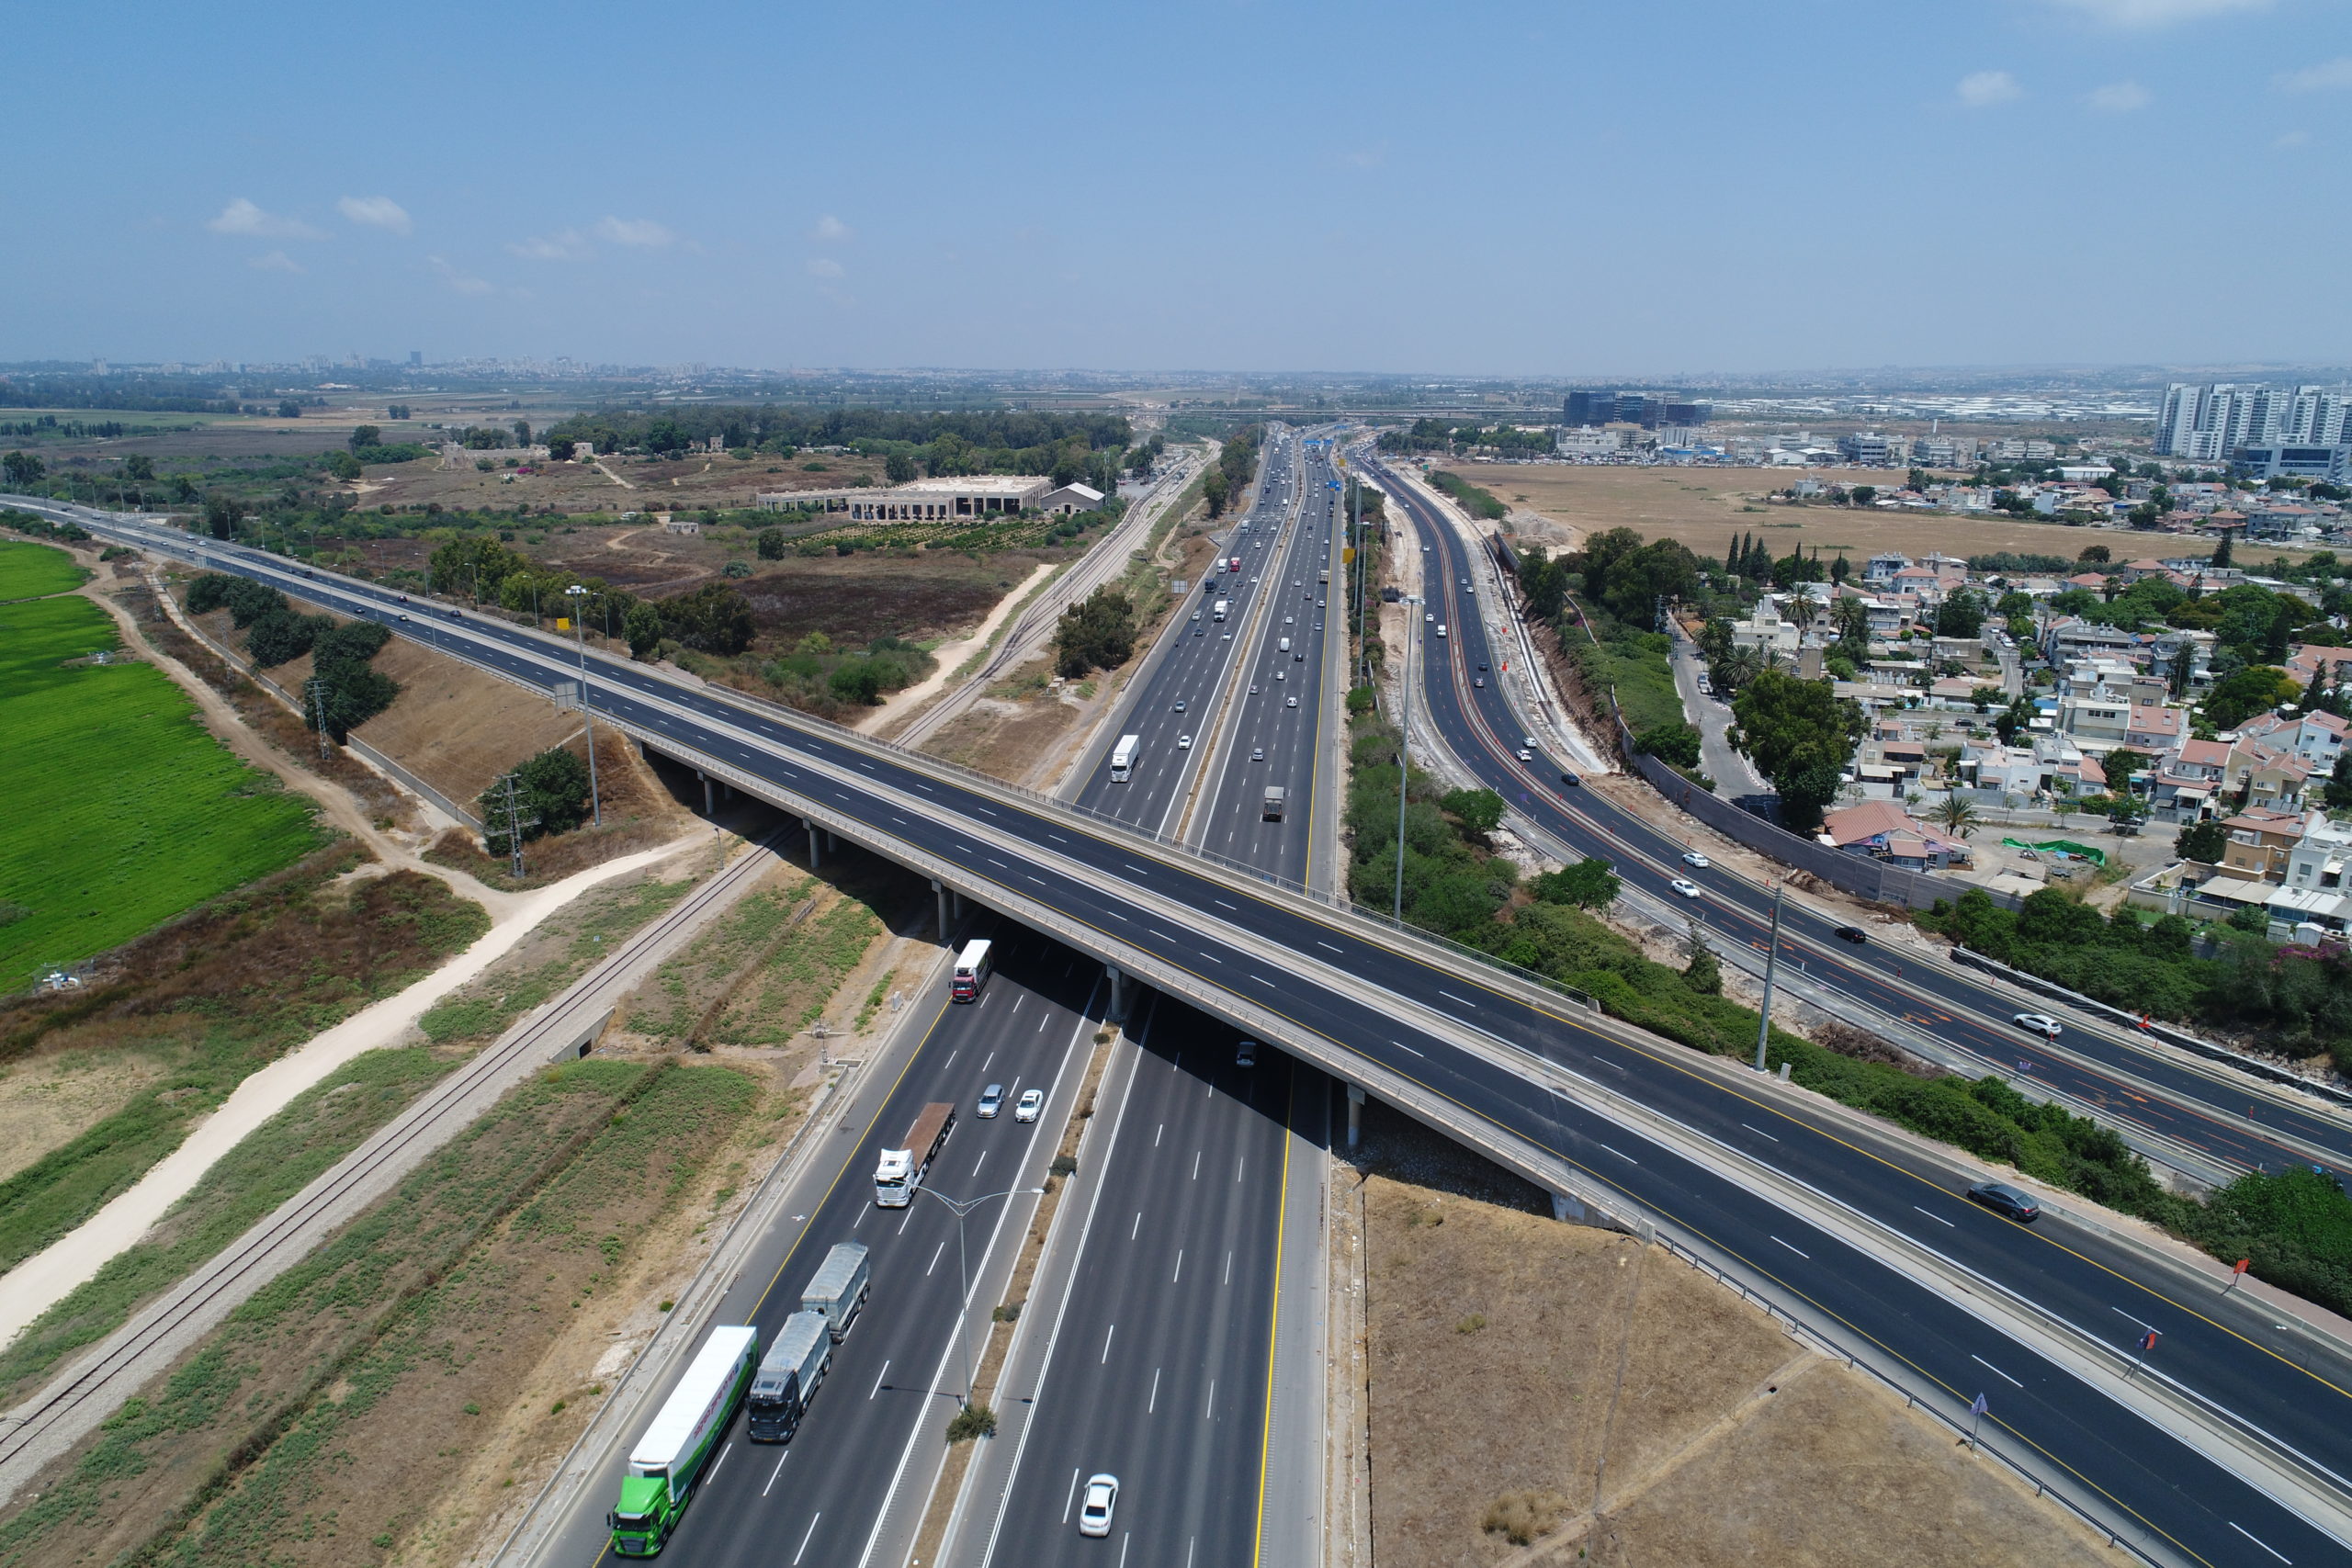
<point>1290,702</point>
<point>2042,1024</point>
<point>991,1100</point>
<point>1693,857</point>
<point>1094,1511</point>
<point>1687,889</point>
<point>1183,743</point>
<point>1031,1102</point>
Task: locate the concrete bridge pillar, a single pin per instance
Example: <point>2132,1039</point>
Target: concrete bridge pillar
<point>833,842</point>
<point>941,894</point>
<point>709,805</point>
<point>1118,1013</point>
<point>814,856</point>
<point>1566,1209</point>
<point>955,903</point>
<point>1356,1113</point>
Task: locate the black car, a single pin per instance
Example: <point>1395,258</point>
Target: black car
<point>2006,1200</point>
<point>1570,780</point>
<point>1854,935</point>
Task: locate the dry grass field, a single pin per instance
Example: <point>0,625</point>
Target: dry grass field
<point>1704,507</point>
<point>1544,1392</point>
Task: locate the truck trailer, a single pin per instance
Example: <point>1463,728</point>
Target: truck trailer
<point>900,1170</point>
<point>839,1289</point>
<point>1276,798</point>
<point>670,1458</point>
<point>1222,606</point>
<point>788,1378</point>
<point>1123,758</point>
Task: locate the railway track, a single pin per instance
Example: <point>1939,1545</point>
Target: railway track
<point>74,1402</point>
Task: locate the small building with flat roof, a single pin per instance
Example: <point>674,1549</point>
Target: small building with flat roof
<point>922,501</point>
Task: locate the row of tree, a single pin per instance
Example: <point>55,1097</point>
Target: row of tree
<point>350,691</point>
<point>1230,476</point>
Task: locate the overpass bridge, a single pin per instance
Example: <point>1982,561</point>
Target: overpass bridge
<point>2231,1435</point>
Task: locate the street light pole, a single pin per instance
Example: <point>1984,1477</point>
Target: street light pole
<point>1405,749</point>
<point>960,1207</point>
<point>579,597</point>
<point>1771,962</point>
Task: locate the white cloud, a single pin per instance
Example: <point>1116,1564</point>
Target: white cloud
<point>2336,73</point>
<point>1981,89</point>
<point>567,245</point>
<point>276,261</point>
<point>2118,97</point>
<point>830,230</point>
<point>376,211</point>
<point>461,282</point>
<point>2156,13</point>
<point>824,267</point>
<point>641,232</point>
<point>242,217</point>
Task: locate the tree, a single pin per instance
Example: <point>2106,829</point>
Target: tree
<point>1676,744</point>
<point>1702,974</point>
<point>522,433</point>
<point>24,469</point>
<point>342,466</point>
<point>1098,633</point>
<point>856,681</point>
<point>562,451</point>
<point>1799,734</point>
<point>280,634</point>
<point>2221,552</point>
<point>1862,495</point>
<point>1954,815</point>
<point>222,512</point>
<point>713,618</point>
<point>771,544</point>
<point>898,468</point>
<point>2338,789</point>
<point>1961,615</point>
<point>1841,569</point>
<point>643,627</point>
<point>138,469</point>
<point>1479,810</point>
<point>2203,841</point>
<point>1216,489</point>
<point>1588,885</point>
<point>2018,715</point>
<point>366,436</point>
<point>2254,689</point>
<point>288,409</point>
<point>552,786</point>
<point>2095,554</point>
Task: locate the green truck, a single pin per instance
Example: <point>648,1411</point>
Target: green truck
<point>670,1458</point>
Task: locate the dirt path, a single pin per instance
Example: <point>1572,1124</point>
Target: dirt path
<point>610,475</point>
<point>952,655</point>
<point>393,851</point>
<point>43,1280</point>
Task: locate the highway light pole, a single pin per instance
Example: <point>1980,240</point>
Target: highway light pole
<point>960,1207</point>
<point>579,597</point>
<point>1404,748</point>
<point>1771,962</point>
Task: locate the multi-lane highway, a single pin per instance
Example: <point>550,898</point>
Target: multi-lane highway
<point>2228,1117</point>
<point>1840,1228</point>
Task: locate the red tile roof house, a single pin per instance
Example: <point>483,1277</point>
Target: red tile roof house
<point>1881,829</point>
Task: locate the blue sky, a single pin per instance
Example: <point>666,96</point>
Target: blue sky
<point>1559,188</point>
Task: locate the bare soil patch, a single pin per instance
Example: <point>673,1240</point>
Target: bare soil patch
<point>1548,1392</point>
<point>1703,508</point>
<point>52,1100</point>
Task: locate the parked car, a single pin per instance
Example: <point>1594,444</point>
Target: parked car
<point>2042,1024</point>
<point>2006,1200</point>
<point>991,1100</point>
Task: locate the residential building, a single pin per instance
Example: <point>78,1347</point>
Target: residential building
<point>1881,568</point>
<point>1874,449</point>
<point>1888,769</point>
<point>2095,720</point>
<point>2313,901</point>
<point>2282,522</point>
<point>1765,632</point>
<point>2207,423</point>
<point>1881,829</point>
<point>1943,452</point>
<point>2260,843</point>
<point>2184,786</point>
<point>2315,739</point>
<point>2157,730</point>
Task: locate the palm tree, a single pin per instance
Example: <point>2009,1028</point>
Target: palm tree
<point>1955,815</point>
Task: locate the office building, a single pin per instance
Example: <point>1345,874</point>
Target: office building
<point>1615,405</point>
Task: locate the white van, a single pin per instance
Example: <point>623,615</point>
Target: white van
<point>1284,644</point>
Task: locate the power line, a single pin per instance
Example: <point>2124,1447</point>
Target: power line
<point>515,823</point>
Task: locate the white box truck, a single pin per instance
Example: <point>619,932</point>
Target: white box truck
<point>839,1289</point>
<point>788,1378</point>
<point>1123,758</point>
<point>1283,646</point>
<point>1276,798</point>
<point>1222,606</point>
<point>670,1458</point>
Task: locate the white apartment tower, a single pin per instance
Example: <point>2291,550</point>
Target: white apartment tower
<point>2207,423</point>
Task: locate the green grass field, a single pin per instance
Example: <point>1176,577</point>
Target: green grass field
<point>28,570</point>
<point>121,811</point>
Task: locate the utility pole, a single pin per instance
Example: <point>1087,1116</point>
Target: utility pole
<point>515,823</point>
<point>1771,962</point>
<point>960,1207</point>
<point>316,689</point>
<point>579,597</point>
<point>1404,748</point>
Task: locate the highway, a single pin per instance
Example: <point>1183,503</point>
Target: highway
<point>1470,1041</point>
<point>2234,1119</point>
<point>1158,1375</point>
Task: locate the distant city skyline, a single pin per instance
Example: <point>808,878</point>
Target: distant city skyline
<point>1712,189</point>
